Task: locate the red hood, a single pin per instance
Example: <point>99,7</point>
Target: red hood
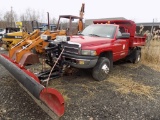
<point>90,41</point>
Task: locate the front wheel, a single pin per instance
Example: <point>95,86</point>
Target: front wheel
<point>101,70</point>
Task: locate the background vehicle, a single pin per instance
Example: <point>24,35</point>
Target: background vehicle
<point>2,31</point>
<point>44,27</point>
<point>7,30</point>
<point>15,35</point>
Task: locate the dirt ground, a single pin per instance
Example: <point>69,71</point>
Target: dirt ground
<point>131,92</point>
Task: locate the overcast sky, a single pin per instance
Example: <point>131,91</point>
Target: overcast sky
<point>137,10</point>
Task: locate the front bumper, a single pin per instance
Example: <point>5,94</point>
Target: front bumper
<point>80,61</point>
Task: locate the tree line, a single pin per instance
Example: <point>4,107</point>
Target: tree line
<point>8,18</point>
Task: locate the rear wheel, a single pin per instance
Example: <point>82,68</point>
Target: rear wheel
<point>101,70</point>
<point>137,57</point>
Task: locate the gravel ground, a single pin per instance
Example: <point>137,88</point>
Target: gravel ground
<point>130,92</point>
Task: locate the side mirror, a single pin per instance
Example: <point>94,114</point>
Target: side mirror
<point>124,36</point>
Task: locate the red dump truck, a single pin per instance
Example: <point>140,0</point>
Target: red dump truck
<point>97,47</point>
<point>101,44</point>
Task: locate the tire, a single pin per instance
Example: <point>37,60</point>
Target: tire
<point>101,70</point>
<point>137,58</point>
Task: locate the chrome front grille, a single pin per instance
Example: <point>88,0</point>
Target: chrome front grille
<point>71,47</point>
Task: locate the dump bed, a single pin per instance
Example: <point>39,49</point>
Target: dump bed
<point>128,26</point>
<point>137,41</point>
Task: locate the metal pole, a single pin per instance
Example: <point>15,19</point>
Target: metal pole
<point>11,16</point>
<point>70,26</point>
<point>48,20</point>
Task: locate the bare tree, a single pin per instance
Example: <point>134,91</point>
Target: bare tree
<point>53,21</point>
<point>22,17</point>
<point>10,17</point>
<point>1,16</point>
<point>30,15</point>
<point>1,20</point>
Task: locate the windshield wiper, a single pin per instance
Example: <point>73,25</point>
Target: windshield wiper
<point>94,35</point>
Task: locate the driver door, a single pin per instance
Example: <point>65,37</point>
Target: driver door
<point>120,47</point>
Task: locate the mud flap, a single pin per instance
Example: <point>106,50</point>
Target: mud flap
<point>51,97</point>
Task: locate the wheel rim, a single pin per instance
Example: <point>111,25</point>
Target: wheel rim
<point>105,69</point>
<point>139,57</point>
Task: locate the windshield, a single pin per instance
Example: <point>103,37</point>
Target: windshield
<point>44,28</point>
<point>100,30</point>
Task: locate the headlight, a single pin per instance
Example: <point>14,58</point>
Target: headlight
<point>89,52</point>
<point>62,38</point>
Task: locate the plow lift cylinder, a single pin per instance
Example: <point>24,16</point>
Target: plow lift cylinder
<point>51,97</point>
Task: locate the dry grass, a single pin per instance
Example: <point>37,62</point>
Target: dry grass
<point>63,92</point>
<point>151,55</point>
<point>90,90</point>
<point>58,86</point>
<point>126,86</point>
